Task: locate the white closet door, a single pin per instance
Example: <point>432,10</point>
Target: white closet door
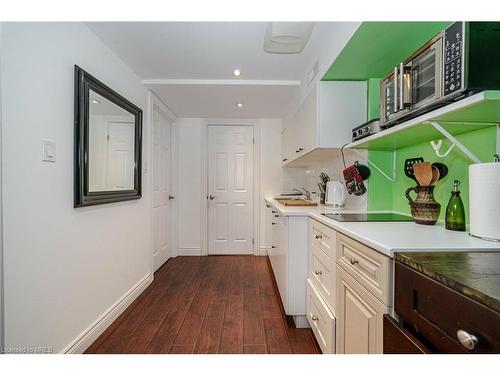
<point>162,160</point>
<point>120,156</point>
<point>230,189</point>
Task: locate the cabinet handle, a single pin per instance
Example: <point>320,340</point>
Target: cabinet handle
<point>276,215</point>
<point>353,261</point>
<point>318,236</point>
<point>273,211</point>
<point>285,159</point>
<point>315,318</point>
<point>273,247</point>
<point>170,197</point>
<point>299,149</point>
<point>467,340</point>
<point>268,206</point>
<point>273,223</point>
<point>318,273</point>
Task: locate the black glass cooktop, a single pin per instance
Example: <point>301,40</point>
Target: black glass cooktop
<point>372,216</point>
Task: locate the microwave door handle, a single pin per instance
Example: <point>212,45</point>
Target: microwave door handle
<point>401,87</point>
<point>395,90</point>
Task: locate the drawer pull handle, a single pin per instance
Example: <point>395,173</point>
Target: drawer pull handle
<point>353,261</point>
<point>273,247</point>
<point>318,236</point>
<point>467,340</point>
<point>273,223</point>
<point>315,318</point>
<point>318,273</point>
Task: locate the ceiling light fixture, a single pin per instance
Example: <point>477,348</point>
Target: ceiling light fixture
<point>236,72</point>
<point>239,105</point>
<point>96,101</point>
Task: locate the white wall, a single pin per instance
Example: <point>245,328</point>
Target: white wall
<point>64,267</point>
<point>1,207</point>
<point>189,202</point>
<point>192,163</point>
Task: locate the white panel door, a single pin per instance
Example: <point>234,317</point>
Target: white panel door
<point>230,189</point>
<point>162,159</point>
<point>120,156</point>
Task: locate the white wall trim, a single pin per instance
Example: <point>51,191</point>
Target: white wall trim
<point>256,178</point>
<point>224,82</point>
<point>263,251</point>
<point>88,336</point>
<point>190,251</point>
<point>154,101</point>
<point>2,321</point>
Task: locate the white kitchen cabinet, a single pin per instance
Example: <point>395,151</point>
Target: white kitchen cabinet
<point>288,256</point>
<point>359,318</point>
<point>325,119</point>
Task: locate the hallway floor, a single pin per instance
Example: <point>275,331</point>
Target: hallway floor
<point>215,304</point>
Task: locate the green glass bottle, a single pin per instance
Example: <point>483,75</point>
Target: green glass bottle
<point>455,213</point>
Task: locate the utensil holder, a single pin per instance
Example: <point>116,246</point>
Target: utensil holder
<point>424,209</point>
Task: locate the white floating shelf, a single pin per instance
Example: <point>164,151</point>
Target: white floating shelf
<point>469,114</point>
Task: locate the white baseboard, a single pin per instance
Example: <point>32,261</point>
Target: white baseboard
<point>301,321</point>
<point>87,337</point>
<point>263,251</point>
<point>189,251</point>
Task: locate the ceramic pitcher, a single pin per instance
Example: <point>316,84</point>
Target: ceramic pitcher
<point>424,209</point>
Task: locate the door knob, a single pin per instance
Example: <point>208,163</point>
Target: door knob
<point>318,273</point>
<point>170,197</point>
<point>211,197</point>
<point>315,318</point>
<point>467,340</point>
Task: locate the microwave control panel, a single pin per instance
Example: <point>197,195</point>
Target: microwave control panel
<point>453,58</point>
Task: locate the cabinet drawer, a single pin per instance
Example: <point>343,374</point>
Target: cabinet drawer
<point>437,313</point>
<point>321,320</point>
<point>322,271</point>
<point>370,268</point>
<point>323,237</point>
<point>398,340</point>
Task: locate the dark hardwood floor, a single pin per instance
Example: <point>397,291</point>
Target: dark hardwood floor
<point>214,304</point>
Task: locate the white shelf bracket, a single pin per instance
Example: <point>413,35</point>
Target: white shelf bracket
<point>360,155</point>
<point>455,143</point>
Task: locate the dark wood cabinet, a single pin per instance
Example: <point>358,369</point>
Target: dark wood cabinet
<point>431,315</point>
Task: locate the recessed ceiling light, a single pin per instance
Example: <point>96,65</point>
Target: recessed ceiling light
<point>239,105</point>
<point>236,72</point>
<point>96,101</point>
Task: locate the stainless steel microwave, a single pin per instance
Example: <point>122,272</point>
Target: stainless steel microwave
<point>461,60</point>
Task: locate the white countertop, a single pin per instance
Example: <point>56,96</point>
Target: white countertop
<point>391,237</point>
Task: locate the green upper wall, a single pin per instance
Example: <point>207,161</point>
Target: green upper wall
<point>377,47</point>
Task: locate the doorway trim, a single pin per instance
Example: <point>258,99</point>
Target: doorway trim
<point>256,178</point>
<point>154,101</point>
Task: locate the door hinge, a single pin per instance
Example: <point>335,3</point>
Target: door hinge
<point>253,139</point>
<point>253,241</point>
<point>107,137</point>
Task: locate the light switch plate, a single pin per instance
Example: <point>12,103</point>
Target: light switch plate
<point>48,150</point>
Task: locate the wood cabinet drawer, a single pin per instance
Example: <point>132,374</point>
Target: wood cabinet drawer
<point>437,312</point>
<point>323,237</point>
<point>398,340</point>
<point>359,318</point>
<point>370,268</point>
<point>321,320</point>
<point>322,271</point>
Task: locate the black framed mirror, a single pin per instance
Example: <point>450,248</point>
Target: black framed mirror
<point>108,144</point>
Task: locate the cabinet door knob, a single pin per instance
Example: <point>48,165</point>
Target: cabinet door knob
<point>318,273</point>
<point>315,318</point>
<point>268,206</point>
<point>170,197</point>
<point>211,197</point>
<point>318,236</point>
<point>467,340</point>
<point>353,261</point>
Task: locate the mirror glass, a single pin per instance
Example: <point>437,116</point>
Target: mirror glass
<point>111,146</point>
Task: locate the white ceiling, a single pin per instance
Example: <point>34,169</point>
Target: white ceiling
<point>211,51</point>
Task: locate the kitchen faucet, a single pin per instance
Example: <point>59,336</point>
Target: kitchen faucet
<point>304,192</point>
